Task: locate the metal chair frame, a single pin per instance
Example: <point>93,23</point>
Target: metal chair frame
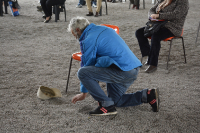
<point>170,40</point>
<point>197,33</point>
<point>57,11</point>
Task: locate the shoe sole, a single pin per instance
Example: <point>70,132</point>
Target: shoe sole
<point>157,99</point>
<point>151,70</point>
<point>110,113</point>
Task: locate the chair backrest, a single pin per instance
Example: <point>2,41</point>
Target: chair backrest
<point>114,27</point>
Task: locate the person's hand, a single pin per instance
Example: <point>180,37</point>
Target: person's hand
<point>79,97</point>
<point>154,16</point>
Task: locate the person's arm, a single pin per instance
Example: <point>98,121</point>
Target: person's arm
<point>180,10</point>
<point>153,10</point>
<point>79,97</point>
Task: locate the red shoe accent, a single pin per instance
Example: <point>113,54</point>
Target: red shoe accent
<point>104,110</point>
<point>153,101</point>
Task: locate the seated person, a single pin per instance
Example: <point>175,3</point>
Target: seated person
<point>174,11</point>
<point>88,2</point>
<point>47,8</point>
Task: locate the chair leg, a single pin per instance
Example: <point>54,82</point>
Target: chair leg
<point>57,12</point>
<point>1,9</point>
<point>169,53</point>
<point>143,4</point>
<point>130,5</point>
<point>65,13</point>
<point>183,48</point>
<point>5,5</point>
<point>106,7</point>
<point>197,33</point>
<point>69,73</point>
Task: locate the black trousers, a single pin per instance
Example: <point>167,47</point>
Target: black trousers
<point>152,51</point>
<point>47,6</point>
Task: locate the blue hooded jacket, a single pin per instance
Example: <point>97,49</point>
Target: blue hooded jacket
<point>101,46</point>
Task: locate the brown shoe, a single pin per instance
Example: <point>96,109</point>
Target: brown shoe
<point>97,14</point>
<point>151,69</point>
<point>90,14</point>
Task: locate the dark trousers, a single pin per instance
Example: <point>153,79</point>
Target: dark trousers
<point>47,6</point>
<point>152,51</point>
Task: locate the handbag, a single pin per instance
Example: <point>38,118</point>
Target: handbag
<point>153,26</point>
<point>15,4</point>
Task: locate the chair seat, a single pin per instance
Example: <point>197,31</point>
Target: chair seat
<point>77,56</point>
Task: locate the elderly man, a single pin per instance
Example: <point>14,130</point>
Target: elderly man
<point>88,2</point>
<point>107,58</point>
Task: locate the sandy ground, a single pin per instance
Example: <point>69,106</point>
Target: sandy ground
<point>33,53</point>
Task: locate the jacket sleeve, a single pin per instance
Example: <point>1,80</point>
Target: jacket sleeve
<point>180,10</point>
<point>82,88</point>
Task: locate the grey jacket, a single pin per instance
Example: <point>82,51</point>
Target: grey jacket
<point>175,13</point>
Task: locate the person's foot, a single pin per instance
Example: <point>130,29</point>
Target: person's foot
<point>93,5</point>
<point>113,1</point>
<point>79,6</point>
<point>90,14</point>
<point>39,8</point>
<point>97,14</point>
<point>99,111</point>
<point>133,6</point>
<point>153,99</point>
<point>151,69</point>
<point>47,19</point>
<point>137,7</point>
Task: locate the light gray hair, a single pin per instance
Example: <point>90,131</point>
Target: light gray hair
<point>78,22</point>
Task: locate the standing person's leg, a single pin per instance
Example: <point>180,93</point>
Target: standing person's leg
<point>80,3</point>
<point>137,4</point>
<point>89,7</point>
<point>99,3</point>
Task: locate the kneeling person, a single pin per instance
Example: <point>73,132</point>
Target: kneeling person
<point>107,58</point>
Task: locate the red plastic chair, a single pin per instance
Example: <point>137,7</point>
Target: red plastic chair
<point>77,55</point>
<point>170,39</point>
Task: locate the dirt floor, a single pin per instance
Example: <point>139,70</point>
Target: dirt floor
<point>33,53</point>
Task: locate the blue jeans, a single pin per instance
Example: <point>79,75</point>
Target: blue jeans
<point>152,51</point>
<point>117,81</point>
<point>82,2</point>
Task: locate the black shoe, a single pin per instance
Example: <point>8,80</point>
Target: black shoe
<point>39,8</point>
<point>90,14</point>
<point>153,99</point>
<point>113,1</point>
<point>97,14</point>
<point>47,21</point>
<point>151,69</point>
<point>111,110</point>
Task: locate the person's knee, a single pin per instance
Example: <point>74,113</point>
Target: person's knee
<point>81,73</point>
<point>139,32</point>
